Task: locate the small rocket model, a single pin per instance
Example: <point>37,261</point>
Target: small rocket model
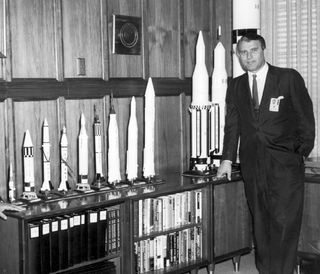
<point>46,185</point>
<point>149,122</point>
<point>217,111</point>
<point>246,19</point>
<point>132,152</point>
<point>63,186</point>
<point>199,108</point>
<point>28,168</point>
<point>11,186</point>
<point>83,184</point>
<point>113,149</point>
<point>98,147</point>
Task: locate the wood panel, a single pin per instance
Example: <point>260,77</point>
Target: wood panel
<point>2,36</point>
<point>197,16</point>
<point>3,155</point>
<point>124,65</point>
<point>32,38</point>
<point>81,30</point>
<point>163,37</point>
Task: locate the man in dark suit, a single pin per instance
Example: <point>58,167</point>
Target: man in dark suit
<point>276,130</point>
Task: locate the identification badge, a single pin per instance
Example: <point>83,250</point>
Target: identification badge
<point>275,103</point>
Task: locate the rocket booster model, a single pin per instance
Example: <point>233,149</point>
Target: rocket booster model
<point>246,19</point>
<point>83,153</point>
<point>113,149</point>
<point>218,95</point>
<point>11,186</point>
<point>149,121</point>
<point>63,186</point>
<point>46,185</point>
<point>132,152</point>
<point>98,147</point>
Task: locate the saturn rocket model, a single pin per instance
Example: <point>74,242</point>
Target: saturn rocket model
<point>83,184</point>
<point>28,168</point>
<point>98,147</point>
<point>246,19</point>
<point>11,186</point>
<point>46,185</point>
<point>218,95</point>
<point>132,152</point>
<point>149,122</point>
<point>199,109</point>
<point>63,186</point>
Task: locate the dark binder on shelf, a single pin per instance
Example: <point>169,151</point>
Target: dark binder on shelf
<point>101,231</point>
<point>45,245</point>
<point>34,262</point>
<point>84,236</point>
<point>54,245</point>
<point>92,229</point>
<point>70,238</point>
<point>76,248</point>
<point>63,242</point>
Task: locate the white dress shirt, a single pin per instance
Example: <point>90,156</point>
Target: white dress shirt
<point>261,79</point>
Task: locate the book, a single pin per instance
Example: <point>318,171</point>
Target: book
<point>45,245</point>
<point>33,256</point>
<point>54,245</point>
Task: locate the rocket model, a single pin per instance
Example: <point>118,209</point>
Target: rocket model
<point>46,185</point>
<point>113,149</point>
<point>132,152</point>
<point>199,109</point>
<point>83,184</point>
<point>246,19</point>
<point>11,186</point>
<point>98,147</point>
<point>149,121</point>
<point>217,111</point>
<point>63,186</point>
<point>28,168</point>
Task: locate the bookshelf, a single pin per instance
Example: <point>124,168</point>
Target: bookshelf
<point>92,231</point>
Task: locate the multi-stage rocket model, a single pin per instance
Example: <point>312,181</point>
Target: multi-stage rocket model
<point>98,147</point>
<point>63,186</point>
<point>149,122</point>
<point>28,168</point>
<point>217,111</point>
<point>46,185</point>
<point>199,109</point>
<point>113,148</point>
<point>132,152</point>
<point>83,155</point>
<point>246,19</point>
<point>11,186</point>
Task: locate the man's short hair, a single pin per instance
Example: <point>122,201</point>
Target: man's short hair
<point>252,37</point>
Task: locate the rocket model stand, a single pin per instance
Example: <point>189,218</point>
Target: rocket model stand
<point>29,195</point>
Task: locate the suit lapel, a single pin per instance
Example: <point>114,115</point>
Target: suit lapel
<point>269,88</point>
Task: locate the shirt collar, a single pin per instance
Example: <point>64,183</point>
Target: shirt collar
<point>261,73</point>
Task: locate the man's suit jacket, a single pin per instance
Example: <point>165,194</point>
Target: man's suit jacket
<point>283,129</point>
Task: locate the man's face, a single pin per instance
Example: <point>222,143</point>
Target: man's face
<point>251,55</point>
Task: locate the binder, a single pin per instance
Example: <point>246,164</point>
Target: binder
<point>76,248</point>
<point>92,230</point>
<point>84,236</point>
<point>54,245</point>
<point>34,261</point>
<point>101,232</point>
<point>70,238</point>
<point>45,245</point>
<point>63,242</point>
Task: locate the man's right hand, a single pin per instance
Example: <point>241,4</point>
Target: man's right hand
<point>225,169</point>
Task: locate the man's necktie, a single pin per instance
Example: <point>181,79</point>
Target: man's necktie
<point>255,92</point>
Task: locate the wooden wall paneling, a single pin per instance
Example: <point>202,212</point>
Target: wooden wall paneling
<point>8,48</point>
<point>181,39</point>
<point>2,35</point>
<point>185,131</point>
<point>197,16</point>
<point>30,116</point>
<point>163,32</point>
<point>4,155</point>
<point>104,40</point>
<point>145,41</point>
<point>124,65</point>
<point>32,36</point>
<point>81,32</point>
<point>74,108</point>
<point>58,43</point>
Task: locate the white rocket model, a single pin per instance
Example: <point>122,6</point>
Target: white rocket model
<point>83,184</point>
<point>28,168</point>
<point>98,147</point>
<point>46,185</point>
<point>132,152</point>
<point>63,186</point>
<point>246,18</point>
<point>218,95</point>
<point>199,108</point>
<point>149,122</point>
<point>11,186</point>
<point>113,149</point>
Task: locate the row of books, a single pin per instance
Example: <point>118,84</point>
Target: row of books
<point>63,241</point>
<point>167,212</point>
<point>169,250</point>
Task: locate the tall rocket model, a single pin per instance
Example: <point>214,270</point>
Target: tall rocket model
<point>28,168</point>
<point>83,155</point>
<point>218,95</point>
<point>46,185</point>
<point>246,19</point>
<point>11,186</point>
<point>63,186</point>
<point>199,109</point>
<point>113,148</point>
<point>132,152</point>
<point>149,122</point>
<point>98,147</point>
